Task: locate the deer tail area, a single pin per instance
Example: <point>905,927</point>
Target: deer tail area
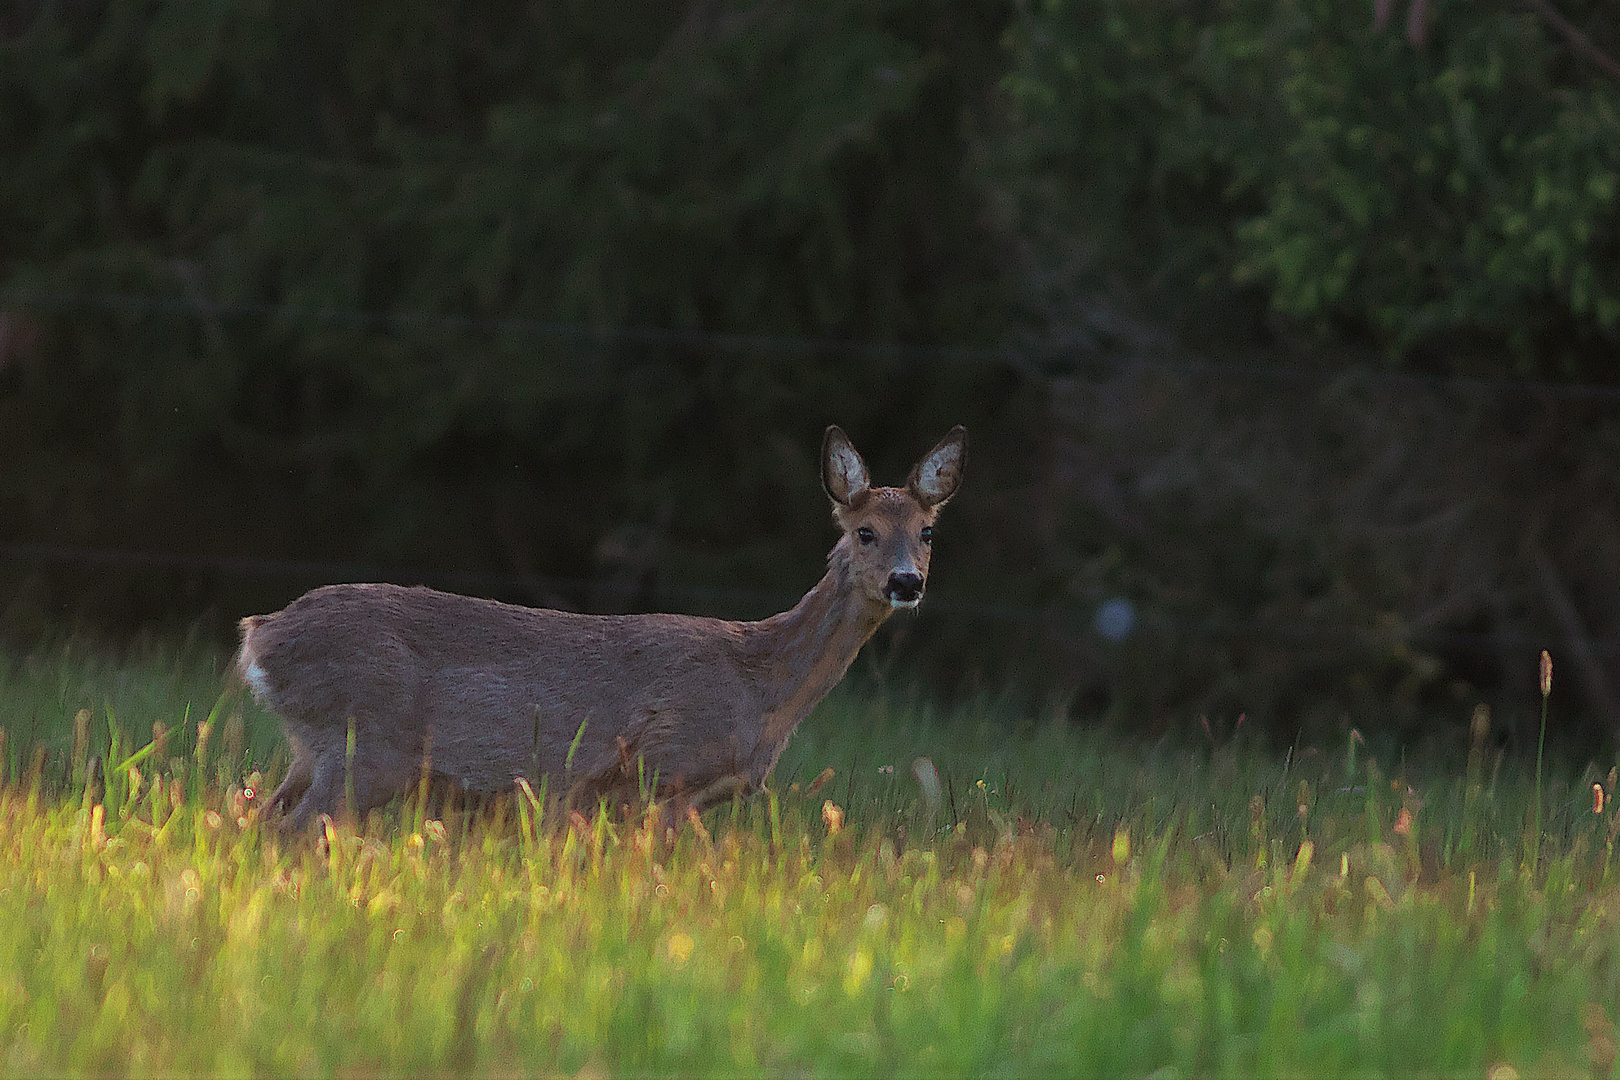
<point>246,669</point>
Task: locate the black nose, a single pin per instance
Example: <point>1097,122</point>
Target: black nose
<point>904,587</point>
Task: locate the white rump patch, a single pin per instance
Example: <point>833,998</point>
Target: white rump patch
<point>256,679</point>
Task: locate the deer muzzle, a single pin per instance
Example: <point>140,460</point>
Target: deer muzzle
<point>904,589</point>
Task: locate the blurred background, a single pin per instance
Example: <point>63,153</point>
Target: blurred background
<point>1284,332</point>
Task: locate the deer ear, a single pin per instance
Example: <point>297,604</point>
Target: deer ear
<point>843,473</point>
<point>936,476</point>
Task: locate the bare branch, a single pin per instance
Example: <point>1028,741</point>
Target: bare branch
<point>1576,38</point>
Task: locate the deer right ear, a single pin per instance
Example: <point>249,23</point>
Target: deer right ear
<point>843,473</point>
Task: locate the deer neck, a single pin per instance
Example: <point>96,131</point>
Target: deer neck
<point>802,653</point>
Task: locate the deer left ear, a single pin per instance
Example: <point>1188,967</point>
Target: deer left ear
<point>935,478</point>
<point>843,473</point>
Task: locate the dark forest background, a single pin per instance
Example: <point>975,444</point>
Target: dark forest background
<point>1284,332</point>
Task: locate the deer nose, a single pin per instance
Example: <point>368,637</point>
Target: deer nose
<point>904,587</point>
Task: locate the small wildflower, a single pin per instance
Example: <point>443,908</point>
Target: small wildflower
<point>680,947</point>
<point>1546,673</point>
<point>1598,798</point>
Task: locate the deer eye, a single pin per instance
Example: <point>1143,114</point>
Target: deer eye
<point>866,534</point>
<point>928,534</point>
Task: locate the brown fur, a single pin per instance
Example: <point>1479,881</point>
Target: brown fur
<point>493,691</point>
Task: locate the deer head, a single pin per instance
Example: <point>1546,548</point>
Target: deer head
<point>888,531</point>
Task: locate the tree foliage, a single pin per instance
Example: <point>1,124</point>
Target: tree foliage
<point>1454,202</point>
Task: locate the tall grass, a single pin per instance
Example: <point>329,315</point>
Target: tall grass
<point>1073,903</point>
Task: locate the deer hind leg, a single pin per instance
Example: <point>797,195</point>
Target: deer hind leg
<point>725,789</point>
<point>299,773</point>
<point>376,773</point>
<point>293,786</point>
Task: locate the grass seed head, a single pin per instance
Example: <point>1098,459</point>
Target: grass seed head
<point>1403,822</point>
<point>696,821</point>
<point>833,815</point>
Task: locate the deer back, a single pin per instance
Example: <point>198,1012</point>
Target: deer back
<point>492,690</point>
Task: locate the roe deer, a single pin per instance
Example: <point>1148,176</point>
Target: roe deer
<point>484,693</point>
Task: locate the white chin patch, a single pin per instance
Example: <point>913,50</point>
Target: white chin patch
<point>904,604</point>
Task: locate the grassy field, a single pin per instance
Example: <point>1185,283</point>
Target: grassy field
<point>1072,903</point>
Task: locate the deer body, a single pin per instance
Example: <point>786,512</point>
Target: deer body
<point>485,692</point>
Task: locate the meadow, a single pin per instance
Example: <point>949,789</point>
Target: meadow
<point>1065,901</point>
